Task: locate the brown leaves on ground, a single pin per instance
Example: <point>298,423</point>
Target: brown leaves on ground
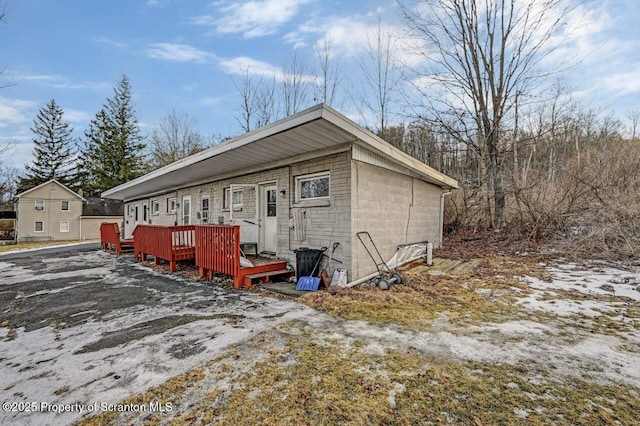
<point>465,291</point>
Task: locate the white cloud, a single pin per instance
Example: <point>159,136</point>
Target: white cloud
<point>245,64</point>
<point>15,111</point>
<point>353,35</point>
<point>76,116</point>
<point>623,83</point>
<point>61,82</point>
<point>41,78</point>
<point>253,18</point>
<point>175,52</point>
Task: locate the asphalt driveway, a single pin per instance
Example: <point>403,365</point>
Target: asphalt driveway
<point>82,327</point>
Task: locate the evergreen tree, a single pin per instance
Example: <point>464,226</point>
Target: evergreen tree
<point>113,153</point>
<point>53,151</point>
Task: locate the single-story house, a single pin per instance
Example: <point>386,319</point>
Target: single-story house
<point>53,212</point>
<point>308,180</point>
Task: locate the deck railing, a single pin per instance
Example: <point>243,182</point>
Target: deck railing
<point>171,243</point>
<point>110,237</point>
<point>218,249</point>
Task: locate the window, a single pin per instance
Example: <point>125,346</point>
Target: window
<point>64,226</point>
<point>205,208</point>
<point>171,205</point>
<point>64,206</point>
<point>186,210</point>
<point>145,213</point>
<point>271,203</point>
<point>39,204</point>
<point>312,187</point>
<point>38,227</point>
<point>155,207</point>
<point>237,198</point>
<point>130,210</point>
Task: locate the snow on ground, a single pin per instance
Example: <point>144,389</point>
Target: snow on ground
<point>114,353</point>
<point>105,350</point>
<point>596,280</point>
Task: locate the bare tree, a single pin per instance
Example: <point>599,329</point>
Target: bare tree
<point>381,75</point>
<point>265,102</point>
<point>330,69</point>
<point>246,88</point>
<point>294,85</point>
<point>258,106</point>
<point>8,174</point>
<point>3,19</point>
<point>175,137</point>
<point>482,56</point>
<point>634,117</point>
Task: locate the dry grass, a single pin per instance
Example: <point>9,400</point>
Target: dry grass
<point>310,381</point>
<point>34,245</point>
<point>290,376</point>
<point>169,392</point>
<point>471,292</point>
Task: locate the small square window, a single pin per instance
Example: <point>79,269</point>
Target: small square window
<point>312,187</point>
<point>39,204</point>
<point>64,226</point>
<point>64,206</point>
<point>38,227</point>
<point>155,207</point>
<point>237,198</point>
<point>172,205</point>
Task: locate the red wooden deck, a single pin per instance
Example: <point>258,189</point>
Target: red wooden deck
<point>110,238</point>
<point>218,250</point>
<point>170,243</point>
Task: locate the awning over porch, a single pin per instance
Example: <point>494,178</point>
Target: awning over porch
<point>317,131</point>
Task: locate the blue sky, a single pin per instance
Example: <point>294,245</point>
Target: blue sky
<point>184,54</point>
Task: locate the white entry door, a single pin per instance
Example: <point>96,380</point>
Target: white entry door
<point>145,212</point>
<point>268,218</point>
<point>186,210</point>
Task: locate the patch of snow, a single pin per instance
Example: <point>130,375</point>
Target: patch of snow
<point>572,277</point>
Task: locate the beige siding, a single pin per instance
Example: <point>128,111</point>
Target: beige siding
<point>324,223</point>
<point>90,225</point>
<point>394,208</point>
<point>51,215</point>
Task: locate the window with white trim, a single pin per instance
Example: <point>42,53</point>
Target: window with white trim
<point>312,187</point>
<point>38,227</point>
<point>155,208</point>
<point>172,205</point>
<point>237,198</point>
<point>130,209</point>
<point>204,208</point>
<point>64,226</point>
<point>39,204</point>
<point>64,205</point>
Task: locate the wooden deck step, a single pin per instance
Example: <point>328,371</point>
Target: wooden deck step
<point>265,276</point>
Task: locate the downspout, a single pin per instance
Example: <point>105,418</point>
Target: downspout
<point>442,195</point>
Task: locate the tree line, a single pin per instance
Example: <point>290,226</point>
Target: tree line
<point>469,88</point>
<point>113,150</point>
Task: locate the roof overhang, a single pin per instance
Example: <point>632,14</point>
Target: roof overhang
<point>311,133</point>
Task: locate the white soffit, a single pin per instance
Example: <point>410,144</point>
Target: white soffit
<point>316,129</point>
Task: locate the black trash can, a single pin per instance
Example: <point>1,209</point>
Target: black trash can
<point>306,260</point>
